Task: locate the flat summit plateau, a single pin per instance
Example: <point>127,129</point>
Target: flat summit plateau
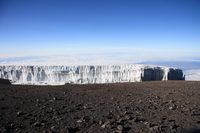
<point>139,107</point>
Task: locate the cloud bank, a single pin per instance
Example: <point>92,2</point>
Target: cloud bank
<point>193,75</point>
<point>95,59</point>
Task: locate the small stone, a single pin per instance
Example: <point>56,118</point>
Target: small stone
<point>171,101</point>
<point>148,125</point>
<point>140,101</point>
<point>117,131</point>
<point>157,97</point>
<point>155,127</point>
<point>119,121</point>
<point>171,108</point>
<point>79,121</point>
<point>86,118</point>
<point>136,119</point>
<point>55,98</point>
<point>120,128</point>
<point>137,112</point>
<point>37,124</point>
<point>100,122</point>
<point>19,113</point>
<point>105,124</point>
<point>12,124</point>
<point>127,117</point>
<point>173,126</point>
<point>45,131</point>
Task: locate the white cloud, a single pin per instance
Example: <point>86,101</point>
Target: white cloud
<point>69,50</point>
<point>81,59</point>
<point>91,59</point>
<point>80,50</point>
<point>193,75</point>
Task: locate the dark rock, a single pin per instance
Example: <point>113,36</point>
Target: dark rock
<point>20,113</point>
<point>5,81</point>
<point>37,124</point>
<point>73,129</point>
<point>135,119</point>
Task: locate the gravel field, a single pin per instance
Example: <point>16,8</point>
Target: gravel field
<point>140,107</point>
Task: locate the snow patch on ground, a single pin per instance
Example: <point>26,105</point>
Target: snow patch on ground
<point>37,83</point>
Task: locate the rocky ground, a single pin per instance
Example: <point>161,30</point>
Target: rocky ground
<point>142,107</point>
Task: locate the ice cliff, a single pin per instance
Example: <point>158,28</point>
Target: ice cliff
<point>87,74</point>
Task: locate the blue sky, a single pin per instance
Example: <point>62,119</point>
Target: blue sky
<point>61,27</point>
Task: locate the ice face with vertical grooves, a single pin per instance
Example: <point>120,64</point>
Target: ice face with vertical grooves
<point>87,74</point>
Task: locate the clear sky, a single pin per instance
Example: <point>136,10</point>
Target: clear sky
<point>59,27</point>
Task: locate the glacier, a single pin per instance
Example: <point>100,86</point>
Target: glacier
<point>87,74</point>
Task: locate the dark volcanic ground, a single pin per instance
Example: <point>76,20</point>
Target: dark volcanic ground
<point>157,106</point>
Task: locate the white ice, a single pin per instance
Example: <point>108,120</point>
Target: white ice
<point>59,75</point>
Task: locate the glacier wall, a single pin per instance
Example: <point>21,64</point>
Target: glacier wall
<point>87,74</point>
